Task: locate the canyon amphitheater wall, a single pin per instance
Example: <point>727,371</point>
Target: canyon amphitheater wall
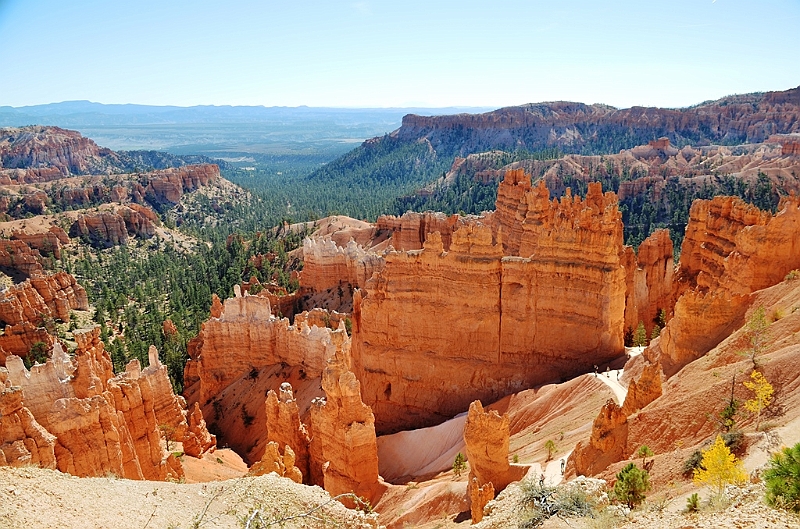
<point>532,293</point>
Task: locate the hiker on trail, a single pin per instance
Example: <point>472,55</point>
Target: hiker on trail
<point>541,480</point>
<point>563,464</point>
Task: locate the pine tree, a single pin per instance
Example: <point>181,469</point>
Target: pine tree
<point>783,479</point>
<point>632,483</point>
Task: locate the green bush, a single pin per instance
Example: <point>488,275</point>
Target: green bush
<point>782,479</point>
<point>632,483</point>
<point>693,503</point>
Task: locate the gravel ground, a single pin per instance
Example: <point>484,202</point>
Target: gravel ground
<point>45,499</point>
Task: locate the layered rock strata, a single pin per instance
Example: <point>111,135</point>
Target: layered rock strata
<point>343,452</point>
<point>649,281</point>
<point>731,249</point>
<point>327,265</point>
<point>27,306</point>
<point>242,335</point>
<point>486,322</point>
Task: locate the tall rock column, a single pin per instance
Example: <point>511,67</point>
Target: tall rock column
<point>344,450</point>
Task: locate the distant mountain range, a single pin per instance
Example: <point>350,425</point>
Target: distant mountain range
<point>425,146</point>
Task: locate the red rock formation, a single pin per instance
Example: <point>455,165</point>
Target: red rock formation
<point>282,464</point>
<point>51,152</point>
<point>643,391</point>
<point>23,441</point>
<point>479,496</point>
<point>198,440</point>
<point>17,255</point>
<point>26,307</point>
<point>343,451</point>
<point>242,335</point>
<point>137,224</point>
<point>49,242</point>
<point>284,426</point>
<point>495,324</point>
<point>486,436</point>
<point>327,265</point>
<point>790,148</point>
<point>649,280</point>
<point>730,250</point>
<point>410,231</point>
<point>168,185</point>
<point>104,229</point>
<point>607,444</point>
<point>104,423</point>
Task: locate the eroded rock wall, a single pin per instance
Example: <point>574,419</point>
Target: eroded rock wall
<point>435,329</point>
<point>103,423</point>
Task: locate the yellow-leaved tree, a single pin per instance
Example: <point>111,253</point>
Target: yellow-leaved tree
<point>719,467</point>
<point>762,395</point>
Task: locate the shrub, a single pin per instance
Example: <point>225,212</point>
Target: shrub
<point>632,483</point>
<point>693,503</point>
<point>792,275</point>
<point>782,479</point>
<point>539,503</point>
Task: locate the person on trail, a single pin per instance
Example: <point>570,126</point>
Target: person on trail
<point>541,480</point>
<point>563,464</point>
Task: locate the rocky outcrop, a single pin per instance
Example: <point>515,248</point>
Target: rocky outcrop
<point>104,229</point>
<point>486,436</point>
<point>17,255</point>
<point>50,152</point>
<point>243,334</point>
<point>479,496</point>
<point>327,265</point>
<point>138,224</point>
<point>103,423</point>
<point>607,444</point>
<point>285,428</point>
<point>343,451</point>
<point>23,441</point>
<point>48,242</point>
<point>643,391</point>
<point>25,308</point>
<point>493,321</point>
<point>282,464</point>
<point>649,281</point>
<point>168,185</point>
<point>197,440</point>
<point>410,231</point>
<point>730,250</point>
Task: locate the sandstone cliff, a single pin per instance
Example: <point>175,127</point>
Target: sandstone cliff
<point>27,306</point>
<point>23,441</point>
<point>731,249</point>
<point>649,281</point>
<point>51,152</point>
<point>494,321</point>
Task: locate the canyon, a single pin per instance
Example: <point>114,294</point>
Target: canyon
<point>498,336</point>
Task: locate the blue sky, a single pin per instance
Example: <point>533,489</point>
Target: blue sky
<point>370,53</point>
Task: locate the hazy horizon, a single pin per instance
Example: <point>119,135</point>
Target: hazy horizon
<point>372,54</point>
